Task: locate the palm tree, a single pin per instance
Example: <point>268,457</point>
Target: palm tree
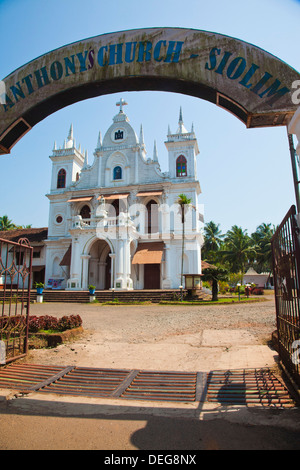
<point>238,250</point>
<point>262,240</point>
<point>214,274</point>
<point>183,202</point>
<point>6,224</point>
<point>212,240</point>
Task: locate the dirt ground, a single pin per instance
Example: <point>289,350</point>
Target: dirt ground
<point>165,337</point>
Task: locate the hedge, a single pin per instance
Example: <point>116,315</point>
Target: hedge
<point>17,323</point>
<point>47,322</point>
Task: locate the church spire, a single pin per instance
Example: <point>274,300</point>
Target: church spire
<point>141,135</point>
<point>181,129</point>
<point>99,142</point>
<point>70,142</point>
<point>180,116</point>
<point>142,142</point>
<point>70,135</point>
<point>85,163</point>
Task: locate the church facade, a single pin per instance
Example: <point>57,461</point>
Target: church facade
<point>116,224</point>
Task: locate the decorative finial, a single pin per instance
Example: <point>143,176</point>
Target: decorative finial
<point>142,135</point>
<point>99,142</point>
<point>181,129</point>
<point>121,103</point>
<point>86,159</point>
<point>70,135</point>
<point>180,116</point>
<point>155,158</point>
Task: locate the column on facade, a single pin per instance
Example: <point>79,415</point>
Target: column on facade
<point>119,281</point>
<point>85,271</point>
<point>112,269</point>
<point>99,171</point>
<point>165,220</point>
<point>166,284</point>
<point>123,266</point>
<point>74,281</point>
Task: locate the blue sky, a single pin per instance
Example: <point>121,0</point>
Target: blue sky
<point>245,174</point>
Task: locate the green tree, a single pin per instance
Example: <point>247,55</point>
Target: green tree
<point>262,240</point>
<point>6,224</point>
<point>214,274</point>
<point>213,239</point>
<point>183,202</point>
<point>238,250</point>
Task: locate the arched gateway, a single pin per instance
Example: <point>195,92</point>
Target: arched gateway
<point>247,81</point>
<point>255,86</point>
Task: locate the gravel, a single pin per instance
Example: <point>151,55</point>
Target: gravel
<point>135,323</point>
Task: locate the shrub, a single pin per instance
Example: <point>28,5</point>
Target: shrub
<point>47,322</point>
<point>67,323</point>
<point>34,324</point>
<point>223,287</point>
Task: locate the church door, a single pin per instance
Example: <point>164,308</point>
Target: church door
<point>151,276</point>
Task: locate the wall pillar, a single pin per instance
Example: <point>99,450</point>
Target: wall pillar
<point>85,271</point>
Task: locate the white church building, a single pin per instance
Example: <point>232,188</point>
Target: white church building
<point>116,223</point>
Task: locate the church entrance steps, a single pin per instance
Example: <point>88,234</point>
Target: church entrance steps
<point>102,295</point>
<point>248,387</point>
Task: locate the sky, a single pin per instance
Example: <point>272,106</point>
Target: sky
<point>245,174</point>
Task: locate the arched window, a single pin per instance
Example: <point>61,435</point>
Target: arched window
<point>61,178</point>
<point>114,208</point>
<point>152,217</point>
<point>85,212</point>
<point>181,169</point>
<point>117,173</point>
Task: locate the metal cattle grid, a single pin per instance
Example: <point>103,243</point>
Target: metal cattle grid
<point>248,387</point>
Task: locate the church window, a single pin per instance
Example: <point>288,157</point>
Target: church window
<point>152,217</point>
<point>85,212</point>
<point>115,208</point>
<point>61,179</point>
<point>117,173</point>
<point>181,166</point>
<point>59,219</point>
<point>119,135</point>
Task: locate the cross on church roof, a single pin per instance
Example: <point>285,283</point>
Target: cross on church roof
<point>121,103</point>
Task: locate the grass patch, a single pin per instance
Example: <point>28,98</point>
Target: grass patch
<point>130,302</point>
<point>210,302</point>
